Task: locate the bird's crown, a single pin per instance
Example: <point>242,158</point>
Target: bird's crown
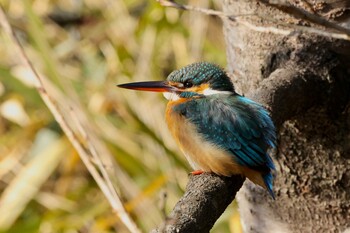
<point>201,73</point>
<point>196,80</point>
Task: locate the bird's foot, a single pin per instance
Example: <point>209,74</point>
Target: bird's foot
<point>197,172</point>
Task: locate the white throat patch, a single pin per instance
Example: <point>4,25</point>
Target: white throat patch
<point>210,91</point>
<point>173,96</point>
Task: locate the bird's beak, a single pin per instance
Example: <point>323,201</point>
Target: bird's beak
<point>155,86</point>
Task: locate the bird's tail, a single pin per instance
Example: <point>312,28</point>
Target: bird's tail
<point>268,179</point>
<point>264,180</point>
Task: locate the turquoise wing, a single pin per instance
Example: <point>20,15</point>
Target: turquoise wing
<point>236,124</point>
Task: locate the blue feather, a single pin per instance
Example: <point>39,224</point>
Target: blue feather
<point>247,130</point>
<point>238,125</point>
<point>268,179</point>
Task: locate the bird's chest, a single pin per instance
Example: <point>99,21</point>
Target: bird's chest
<point>184,134</point>
<point>200,153</point>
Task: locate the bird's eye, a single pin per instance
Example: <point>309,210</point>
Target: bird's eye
<point>188,84</point>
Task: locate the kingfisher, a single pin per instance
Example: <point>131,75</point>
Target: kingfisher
<point>217,130</point>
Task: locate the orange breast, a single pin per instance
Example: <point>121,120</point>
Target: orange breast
<point>201,154</point>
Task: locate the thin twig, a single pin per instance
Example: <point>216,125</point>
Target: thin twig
<point>42,85</point>
<point>172,4</point>
<point>265,29</point>
<point>300,13</point>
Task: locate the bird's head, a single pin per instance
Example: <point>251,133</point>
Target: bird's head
<point>195,80</point>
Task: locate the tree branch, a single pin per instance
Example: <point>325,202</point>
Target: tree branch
<point>206,198</point>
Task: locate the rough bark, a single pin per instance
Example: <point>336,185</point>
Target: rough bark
<point>305,82</point>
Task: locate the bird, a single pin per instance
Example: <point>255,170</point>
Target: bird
<point>218,130</point>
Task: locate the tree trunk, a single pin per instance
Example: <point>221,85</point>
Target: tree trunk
<point>308,78</point>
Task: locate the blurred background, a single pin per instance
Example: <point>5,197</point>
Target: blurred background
<point>85,48</point>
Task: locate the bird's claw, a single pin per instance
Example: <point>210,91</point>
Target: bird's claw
<point>196,172</point>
